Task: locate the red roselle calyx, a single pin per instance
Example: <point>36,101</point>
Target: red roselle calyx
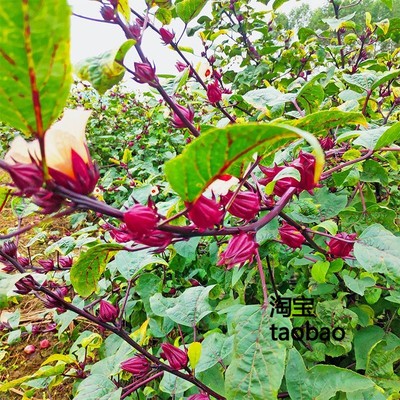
<point>25,285</point>
<point>199,396</point>
<point>48,201</point>
<point>204,213</point>
<point>188,113</point>
<point>291,236</point>
<point>327,143</point>
<point>305,164</point>
<point>340,248</point>
<point>28,178</point>
<point>107,13</point>
<point>281,185</point>
<point>10,249</point>
<point>65,262</point>
<point>140,220</point>
<point>167,36</point>
<point>214,92</point>
<point>245,205</point>
<point>108,312</point>
<point>241,249</point>
<point>176,357</point>
<point>67,158</point>
<point>29,349</point>
<point>44,344</point>
<point>47,265</point>
<point>145,73</point>
<point>137,366</point>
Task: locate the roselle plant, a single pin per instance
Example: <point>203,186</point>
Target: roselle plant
<point>216,216</point>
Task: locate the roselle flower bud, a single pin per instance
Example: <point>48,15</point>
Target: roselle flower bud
<point>50,302</point>
<point>176,357</point>
<point>145,73</point>
<point>282,185</point>
<point>137,366</point>
<point>241,249</point>
<point>24,261</point>
<point>167,36</point>
<point>36,329</point>
<point>25,285</point>
<point>65,262</point>
<point>7,267</point>
<point>108,312</point>
<point>327,143</point>
<point>205,213</point>
<point>180,66</point>
<point>28,178</point>
<point>122,234</point>
<point>305,164</point>
<point>214,93</point>
<point>47,265</point>
<point>246,205</point>
<point>10,249</point>
<point>340,248</point>
<point>199,396</point>
<point>48,201</point>
<point>29,349</point>
<point>140,219</point>
<point>291,236</point>
<point>44,344</point>
<point>135,31</point>
<point>107,13</point>
<point>188,113</point>
<point>156,238</point>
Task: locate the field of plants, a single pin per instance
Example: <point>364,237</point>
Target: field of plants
<point>226,232</point>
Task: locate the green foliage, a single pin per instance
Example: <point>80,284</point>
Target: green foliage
<point>37,61</point>
<point>332,83</point>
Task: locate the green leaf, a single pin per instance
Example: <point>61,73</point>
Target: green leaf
<point>358,285</point>
<point>105,70</point>
<point>98,387</point>
<point>86,272</point>
<point>374,172</point>
<point>378,250</point>
<point>186,10</point>
<point>164,15</point>
<point>364,340</point>
<point>278,3</point>
<point>380,363</point>
<point>187,309</point>
<point>385,77</point>
<point>215,347</point>
<point>319,270</point>
<point>222,151</point>
<point>321,382</point>
<point>194,353</point>
<point>174,386</point>
<point>329,119</point>
<point>388,4</point>
<point>123,8</point>
<point>258,362</point>
<point>390,136</point>
<point>261,98</point>
<point>336,23</point>
<point>129,264</point>
<point>35,68</point>
<point>310,96</point>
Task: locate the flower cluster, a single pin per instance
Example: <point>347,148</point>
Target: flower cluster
<point>141,222</point>
<point>305,164</point>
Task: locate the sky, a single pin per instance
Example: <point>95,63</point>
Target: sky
<point>92,38</point>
